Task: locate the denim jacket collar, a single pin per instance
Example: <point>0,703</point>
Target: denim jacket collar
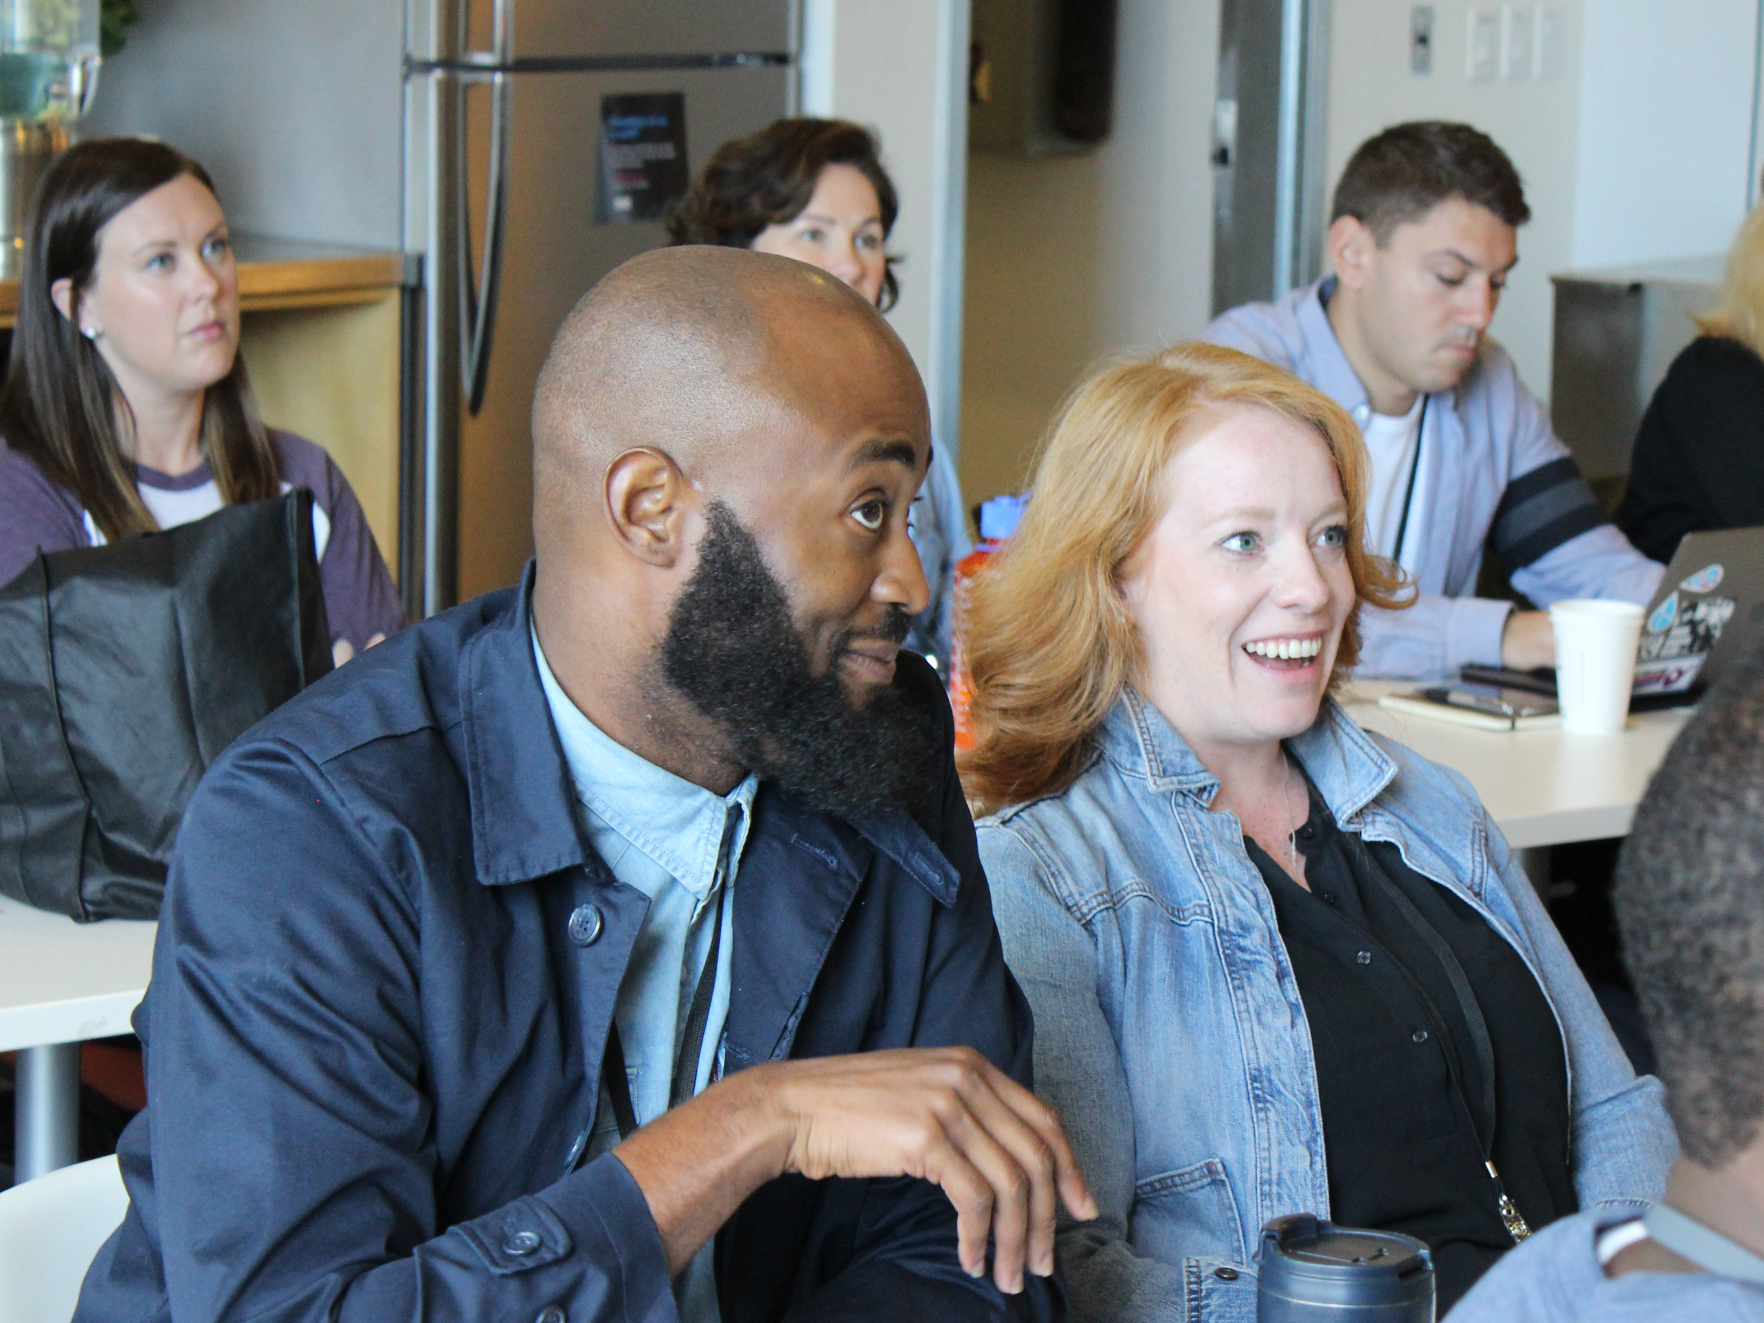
<point>524,823</point>
<point>1348,769</point>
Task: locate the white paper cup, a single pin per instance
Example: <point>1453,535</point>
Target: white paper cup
<point>1595,663</point>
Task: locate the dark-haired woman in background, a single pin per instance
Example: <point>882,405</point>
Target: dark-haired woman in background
<point>1699,455</point>
<point>126,406</point>
<point>815,190</point>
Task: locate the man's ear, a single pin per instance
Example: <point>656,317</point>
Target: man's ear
<point>647,503</point>
<point>1351,246</point>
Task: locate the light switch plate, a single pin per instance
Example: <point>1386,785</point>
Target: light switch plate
<point>1518,28</point>
<point>1484,47</point>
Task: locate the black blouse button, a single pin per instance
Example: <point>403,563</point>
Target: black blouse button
<point>1419,1036</point>
<point>1225,1274</point>
<point>1364,957</point>
<point>1329,898</point>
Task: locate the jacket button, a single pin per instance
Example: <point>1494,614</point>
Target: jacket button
<point>521,1243</point>
<point>1364,957</point>
<point>552,1314</point>
<point>585,925</point>
<point>1225,1274</point>
<point>1420,1035</point>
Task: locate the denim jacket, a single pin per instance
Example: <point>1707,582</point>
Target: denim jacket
<point>1169,1031</point>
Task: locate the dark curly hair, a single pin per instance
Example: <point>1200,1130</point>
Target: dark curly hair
<point>1409,169</point>
<point>767,178</point>
<point>1690,906</point>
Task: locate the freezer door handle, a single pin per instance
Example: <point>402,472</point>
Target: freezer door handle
<point>501,34</point>
<point>478,293</point>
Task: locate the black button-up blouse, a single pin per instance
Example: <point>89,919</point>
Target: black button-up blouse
<point>1399,1076</point>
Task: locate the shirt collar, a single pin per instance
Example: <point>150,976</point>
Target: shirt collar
<point>1347,767</point>
<point>1331,372</point>
<point>681,826</point>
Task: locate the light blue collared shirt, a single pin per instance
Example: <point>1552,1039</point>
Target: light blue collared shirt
<point>680,845</point>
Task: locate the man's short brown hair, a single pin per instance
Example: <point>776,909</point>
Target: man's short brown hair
<point>1405,172</point>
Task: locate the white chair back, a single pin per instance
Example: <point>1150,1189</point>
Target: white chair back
<point>49,1230</point>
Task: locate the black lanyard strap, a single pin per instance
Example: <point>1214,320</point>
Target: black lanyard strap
<point>1471,1009</point>
<point>1402,536</point>
<point>613,1071</point>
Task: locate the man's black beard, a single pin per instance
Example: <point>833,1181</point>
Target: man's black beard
<point>733,650</point>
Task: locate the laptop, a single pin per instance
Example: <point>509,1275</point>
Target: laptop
<point>1708,614</point>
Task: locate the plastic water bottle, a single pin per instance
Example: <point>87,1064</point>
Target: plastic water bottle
<point>1310,1271</point>
<point>998,521</point>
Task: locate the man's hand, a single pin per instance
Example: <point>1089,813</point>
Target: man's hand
<point>946,1115</point>
<point>1528,641</point>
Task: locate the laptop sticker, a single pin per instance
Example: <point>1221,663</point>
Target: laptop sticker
<point>1668,661</point>
<point>1705,580</point>
<point>1664,615</point>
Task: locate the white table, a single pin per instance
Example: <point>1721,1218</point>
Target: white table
<point>62,982</point>
<point>1542,787</point>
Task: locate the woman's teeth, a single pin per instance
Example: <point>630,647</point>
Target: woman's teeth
<point>1285,649</point>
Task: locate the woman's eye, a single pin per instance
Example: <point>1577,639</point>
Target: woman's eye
<point>811,234</point>
<point>872,514</point>
<point>1241,543</point>
<point>218,247</point>
<point>1335,536</point>
<point>1451,282</point>
<point>869,241</point>
<point>159,262</point>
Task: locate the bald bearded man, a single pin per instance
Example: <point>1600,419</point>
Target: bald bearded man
<point>521,970</point>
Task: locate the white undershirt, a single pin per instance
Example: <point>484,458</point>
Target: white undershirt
<point>1391,442</point>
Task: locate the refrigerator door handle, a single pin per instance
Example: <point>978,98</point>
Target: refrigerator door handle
<point>477,319</point>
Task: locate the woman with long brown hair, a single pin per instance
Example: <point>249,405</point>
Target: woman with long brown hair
<point>1277,964</point>
<point>126,407</point>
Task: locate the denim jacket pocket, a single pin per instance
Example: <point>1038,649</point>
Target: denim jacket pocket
<point>1181,1214</point>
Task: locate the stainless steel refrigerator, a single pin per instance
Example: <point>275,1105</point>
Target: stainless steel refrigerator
<point>523,147</point>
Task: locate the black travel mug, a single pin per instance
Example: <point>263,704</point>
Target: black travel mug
<point>1312,1271</point>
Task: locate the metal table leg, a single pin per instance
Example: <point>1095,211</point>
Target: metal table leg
<point>47,1126</point>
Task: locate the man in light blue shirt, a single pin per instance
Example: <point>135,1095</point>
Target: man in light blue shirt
<point>680,845</point>
<point>1687,900</point>
<point>1424,235</point>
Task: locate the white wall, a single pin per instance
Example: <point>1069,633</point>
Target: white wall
<point>1666,108</point>
<point>1534,120</point>
<point>1637,150</point>
<point>1072,257</point>
<point>900,66</point>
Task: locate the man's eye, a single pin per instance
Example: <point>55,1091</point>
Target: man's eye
<point>871,514</point>
<point>1241,543</point>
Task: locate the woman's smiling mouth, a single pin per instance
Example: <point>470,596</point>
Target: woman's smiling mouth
<point>1286,654</point>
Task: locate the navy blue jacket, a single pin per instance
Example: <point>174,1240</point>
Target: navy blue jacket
<point>373,1043</point>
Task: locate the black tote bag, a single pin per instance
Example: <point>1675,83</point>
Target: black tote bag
<point>124,671</point>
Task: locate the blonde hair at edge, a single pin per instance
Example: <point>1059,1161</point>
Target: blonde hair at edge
<point>1739,314</point>
<point>1048,641</point>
